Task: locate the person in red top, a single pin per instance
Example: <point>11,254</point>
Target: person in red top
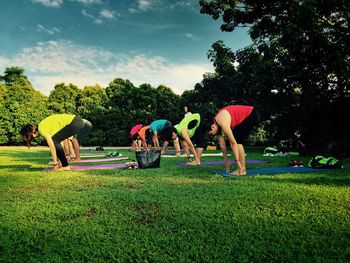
<point>235,122</point>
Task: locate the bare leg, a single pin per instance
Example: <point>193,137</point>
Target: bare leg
<point>241,153</point>
<point>177,147</point>
<point>76,148</point>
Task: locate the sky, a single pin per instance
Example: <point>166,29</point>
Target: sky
<point>89,42</point>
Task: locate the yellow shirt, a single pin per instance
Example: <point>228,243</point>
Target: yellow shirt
<point>186,121</point>
<point>52,124</point>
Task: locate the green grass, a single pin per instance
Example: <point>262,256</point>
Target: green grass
<point>171,214</point>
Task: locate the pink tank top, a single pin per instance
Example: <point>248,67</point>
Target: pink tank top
<point>135,129</point>
<point>238,113</point>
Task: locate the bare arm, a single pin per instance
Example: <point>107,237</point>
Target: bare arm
<point>222,143</point>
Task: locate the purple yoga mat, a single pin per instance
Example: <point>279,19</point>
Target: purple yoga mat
<point>223,162</point>
<point>92,167</point>
<point>103,160</point>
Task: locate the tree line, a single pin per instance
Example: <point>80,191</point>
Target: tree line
<point>296,72</point>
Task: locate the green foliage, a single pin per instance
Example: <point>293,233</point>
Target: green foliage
<point>12,74</point>
<point>63,99</point>
<point>300,52</point>
<point>21,105</point>
<point>171,214</point>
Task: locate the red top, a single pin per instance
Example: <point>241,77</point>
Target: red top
<point>238,113</point>
<point>135,129</point>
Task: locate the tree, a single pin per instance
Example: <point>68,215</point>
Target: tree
<point>168,104</point>
<point>12,74</point>
<point>63,99</point>
<point>22,104</point>
<point>90,103</point>
<point>307,42</point>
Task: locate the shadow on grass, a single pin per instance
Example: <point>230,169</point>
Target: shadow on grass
<point>326,179</point>
<point>24,167</point>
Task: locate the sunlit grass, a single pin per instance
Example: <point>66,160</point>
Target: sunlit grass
<point>174,213</point>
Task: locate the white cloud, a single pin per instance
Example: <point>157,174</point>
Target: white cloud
<point>95,19</point>
<point>108,14</point>
<point>52,62</point>
<point>49,3</point>
<point>146,5</point>
<point>41,28</point>
<point>58,3</point>
<point>88,1</point>
<point>102,16</point>
<point>192,37</point>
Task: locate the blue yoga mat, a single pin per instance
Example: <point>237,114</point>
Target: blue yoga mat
<point>223,162</point>
<point>277,170</point>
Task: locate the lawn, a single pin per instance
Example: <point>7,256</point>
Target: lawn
<point>171,214</point>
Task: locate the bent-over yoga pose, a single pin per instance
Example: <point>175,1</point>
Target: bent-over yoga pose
<point>55,129</point>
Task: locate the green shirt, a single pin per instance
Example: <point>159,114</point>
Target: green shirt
<point>52,124</point>
<point>186,121</point>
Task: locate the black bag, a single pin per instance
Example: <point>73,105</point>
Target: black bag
<point>149,159</point>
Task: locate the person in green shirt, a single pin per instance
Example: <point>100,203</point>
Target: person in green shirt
<point>55,129</point>
<point>192,130</point>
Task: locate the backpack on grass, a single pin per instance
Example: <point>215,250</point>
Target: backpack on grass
<point>271,150</point>
<point>149,159</point>
<point>320,162</point>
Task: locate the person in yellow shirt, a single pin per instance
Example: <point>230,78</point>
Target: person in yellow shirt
<point>55,129</point>
<point>72,144</point>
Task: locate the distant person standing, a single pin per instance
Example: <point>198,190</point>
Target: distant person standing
<point>186,110</point>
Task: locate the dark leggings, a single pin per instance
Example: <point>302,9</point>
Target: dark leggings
<point>66,132</point>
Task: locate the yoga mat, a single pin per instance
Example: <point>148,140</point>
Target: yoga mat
<point>92,155</point>
<point>100,160</point>
<point>277,170</point>
<point>223,162</point>
<point>92,167</point>
<point>204,154</point>
<point>103,160</point>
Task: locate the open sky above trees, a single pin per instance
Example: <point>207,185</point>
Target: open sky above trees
<point>88,42</point>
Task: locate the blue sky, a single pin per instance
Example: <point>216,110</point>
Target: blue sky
<point>88,42</point>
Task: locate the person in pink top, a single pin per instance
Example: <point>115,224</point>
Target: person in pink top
<point>135,142</point>
<point>235,122</point>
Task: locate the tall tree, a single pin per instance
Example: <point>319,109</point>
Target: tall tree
<point>309,41</point>
<point>63,98</point>
<point>11,74</point>
<point>22,104</point>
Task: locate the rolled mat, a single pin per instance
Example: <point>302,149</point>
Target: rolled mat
<point>223,162</point>
<point>276,170</point>
<point>92,167</point>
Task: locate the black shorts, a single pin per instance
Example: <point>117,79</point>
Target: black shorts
<point>242,131</point>
<point>199,138</point>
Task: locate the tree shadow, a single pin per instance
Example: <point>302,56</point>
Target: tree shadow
<point>326,178</point>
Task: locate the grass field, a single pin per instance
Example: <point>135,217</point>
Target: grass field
<point>171,214</point>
